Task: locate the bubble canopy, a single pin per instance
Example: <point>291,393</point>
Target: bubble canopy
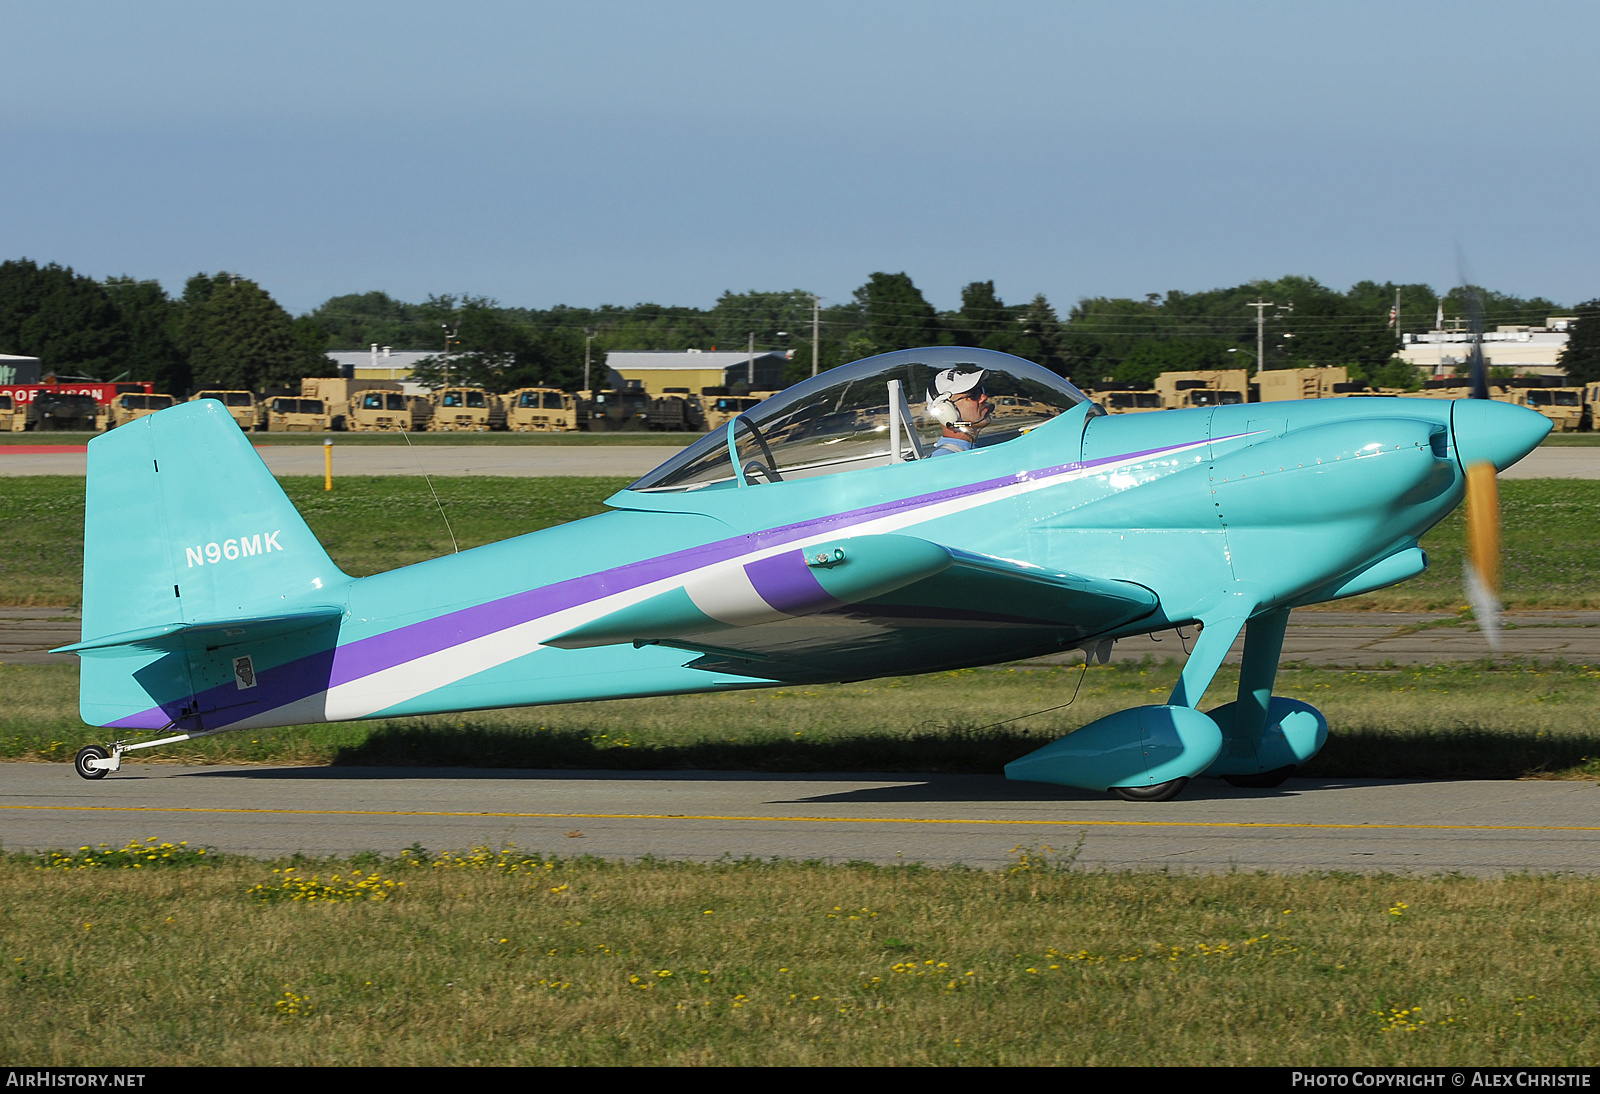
<point>865,414</point>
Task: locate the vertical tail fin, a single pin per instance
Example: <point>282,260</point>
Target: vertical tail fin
<point>185,528</point>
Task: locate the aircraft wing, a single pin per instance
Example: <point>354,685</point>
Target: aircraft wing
<point>870,606</point>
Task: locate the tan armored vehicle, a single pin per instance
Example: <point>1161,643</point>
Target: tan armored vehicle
<point>1210,387</point>
<point>724,408</point>
<point>466,410</point>
<point>1126,400</point>
<point>342,397</point>
<point>1282,384</point>
<point>243,407</point>
<point>130,407</point>
<point>286,414</point>
<point>541,410</point>
<point>13,415</point>
<point>1564,406</point>
<point>381,411</point>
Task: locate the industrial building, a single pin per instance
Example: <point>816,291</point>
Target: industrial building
<point>1528,350</point>
<point>660,370</point>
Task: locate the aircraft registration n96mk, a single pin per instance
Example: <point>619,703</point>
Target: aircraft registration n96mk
<point>913,512</point>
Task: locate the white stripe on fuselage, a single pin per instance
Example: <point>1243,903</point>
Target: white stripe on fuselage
<point>406,681</point>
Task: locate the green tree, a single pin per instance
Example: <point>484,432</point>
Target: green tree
<point>984,320</point>
<point>358,320</point>
<point>897,316</point>
<point>1040,338</point>
<point>1581,358</point>
<point>66,320</point>
<point>499,353</point>
<point>150,318</point>
<point>238,338</point>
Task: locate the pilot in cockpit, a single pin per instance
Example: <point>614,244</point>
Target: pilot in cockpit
<point>958,402</point>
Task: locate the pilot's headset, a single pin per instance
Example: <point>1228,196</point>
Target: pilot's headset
<point>946,386</point>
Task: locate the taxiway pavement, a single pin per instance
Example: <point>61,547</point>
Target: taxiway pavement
<point>1405,826</point>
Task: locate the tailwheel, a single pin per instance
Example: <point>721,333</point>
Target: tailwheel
<point>1160,792</point>
<point>1264,780</point>
<point>85,768</point>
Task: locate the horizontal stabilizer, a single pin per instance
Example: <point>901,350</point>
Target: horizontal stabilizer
<point>214,634</point>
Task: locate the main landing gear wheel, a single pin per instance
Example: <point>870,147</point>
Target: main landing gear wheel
<point>1266,780</point>
<point>87,753</point>
<point>1160,792</point>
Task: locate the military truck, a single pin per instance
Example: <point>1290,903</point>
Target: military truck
<point>627,410</point>
<point>1125,398</point>
<point>130,407</point>
<point>287,414</point>
<point>1282,384</point>
<point>541,410</point>
<point>342,396</point>
<point>1209,387</point>
<point>382,411</point>
<point>678,410</point>
<point>1564,406</point>
<point>53,410</point>
<point>243,407</point>
<point>13,414</point>
<point>466,410</point>
<point>722,409</point>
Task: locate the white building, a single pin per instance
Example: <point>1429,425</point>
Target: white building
<point>380,362</point>
<point>1533,350</point>
<point>19,370</point>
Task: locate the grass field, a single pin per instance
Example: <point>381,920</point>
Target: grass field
<point>1480,721</point>
<point>1552,554</point>
<point>485,958</point>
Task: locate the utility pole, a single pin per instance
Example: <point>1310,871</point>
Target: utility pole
<point>588,340</point>
<point>1400,337</point>
<point>449,336</point>
<point>1261,330</point>
<point>816,327</point>
<point>751,379</point>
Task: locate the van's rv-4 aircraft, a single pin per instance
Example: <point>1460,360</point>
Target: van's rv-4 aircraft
<point>815,539</point>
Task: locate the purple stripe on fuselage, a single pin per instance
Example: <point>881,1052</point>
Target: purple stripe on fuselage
<point>787,584</point>
<point>366,656</point>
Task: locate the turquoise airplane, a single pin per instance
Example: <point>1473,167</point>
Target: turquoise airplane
<point>917,511</point>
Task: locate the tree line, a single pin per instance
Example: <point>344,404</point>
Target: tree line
<point>226,331</point>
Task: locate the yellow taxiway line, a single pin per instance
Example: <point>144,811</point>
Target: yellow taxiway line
<point>810,820</point>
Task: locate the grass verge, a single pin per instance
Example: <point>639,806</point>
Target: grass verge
<point>500,958</point>
<point>1490,720</point>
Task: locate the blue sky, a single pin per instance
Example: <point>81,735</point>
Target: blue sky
<point>621,152</point>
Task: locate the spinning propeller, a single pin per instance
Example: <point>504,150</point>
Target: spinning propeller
<point>1483,498</point>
